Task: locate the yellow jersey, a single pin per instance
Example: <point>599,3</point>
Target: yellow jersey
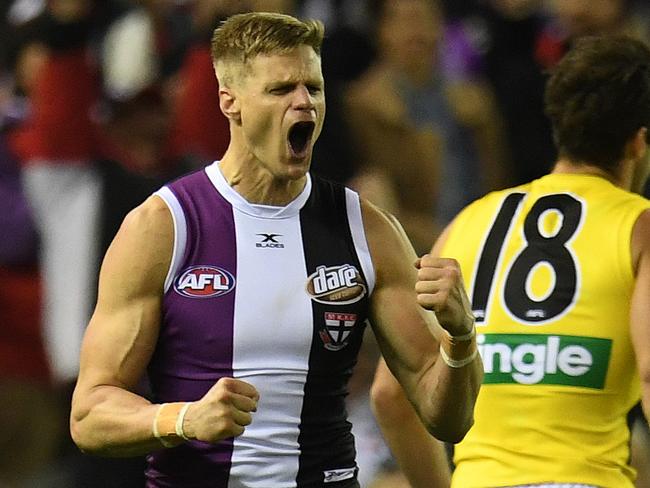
<point>549,271</point>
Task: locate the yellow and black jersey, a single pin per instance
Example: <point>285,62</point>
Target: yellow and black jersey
<point>549,272</point>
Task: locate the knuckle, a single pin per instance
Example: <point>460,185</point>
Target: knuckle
<point>452,270</point>
<point>427,274</point>
<point>422,286</point>
<point>452,262</point>
<point>229,427</point>
<point>220,398</point>
<point>454,273</point>
<point>424,301</point>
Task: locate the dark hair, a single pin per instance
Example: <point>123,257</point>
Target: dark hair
<point>598,97</point>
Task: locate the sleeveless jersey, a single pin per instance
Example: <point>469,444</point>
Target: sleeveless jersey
<point>274,296</point>
<point>549,272</point>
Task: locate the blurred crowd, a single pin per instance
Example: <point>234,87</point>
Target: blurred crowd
<point>430,104</point>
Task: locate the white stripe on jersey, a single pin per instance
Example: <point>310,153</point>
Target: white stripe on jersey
<point>273,318</point>
<point>359,237</point>
<point>180,233</point>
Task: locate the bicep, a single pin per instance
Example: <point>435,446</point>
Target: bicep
<point>640,304</point>
<point>118,344</point>
<point>403,328</point>
<point>640,318</point>
<point>123,330</point>
<point>403,332</point>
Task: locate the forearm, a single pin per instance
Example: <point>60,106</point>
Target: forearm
<point>111,421</point>
<point>645,401</point>
<point>447,394</point>
<point>420,456</point>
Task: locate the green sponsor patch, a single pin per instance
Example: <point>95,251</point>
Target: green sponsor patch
<point>532,359</point>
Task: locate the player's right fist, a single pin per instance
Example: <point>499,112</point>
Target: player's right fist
<point>440,288</point>
<point>223,412</point>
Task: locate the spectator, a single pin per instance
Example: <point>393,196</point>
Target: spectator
<point>431,142</point>
<point>564,342</point>
<point>57,147</point>
<point>510,32</point>
<point>31,419</point>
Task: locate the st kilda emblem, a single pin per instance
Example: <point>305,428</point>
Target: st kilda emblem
<point>338,327</point>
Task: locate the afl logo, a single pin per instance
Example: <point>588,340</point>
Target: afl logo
<point>336,285</point>
<point>204,282</point>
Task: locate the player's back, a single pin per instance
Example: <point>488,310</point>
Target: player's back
<point>549,272</point>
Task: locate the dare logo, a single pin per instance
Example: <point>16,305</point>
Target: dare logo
<point>204,281</point>
<point>336,285</point>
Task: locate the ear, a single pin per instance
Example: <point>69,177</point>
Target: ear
<point>638,150</point>
<point>638,145</point>
<point>229,104</point>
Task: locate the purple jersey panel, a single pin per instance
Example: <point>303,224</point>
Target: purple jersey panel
<point>195,345</point>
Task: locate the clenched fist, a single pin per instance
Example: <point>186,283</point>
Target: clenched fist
<point>440,289</point>
<point>223,412</point>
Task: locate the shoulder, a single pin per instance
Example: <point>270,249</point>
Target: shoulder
<point>640,244</point>
<point>379,223</point>
<point>152,218</point>
<point>472,222</point>
<point>388,244</point>
<point>483,209</point>
<point>629,214</point>
<point>142,248</point>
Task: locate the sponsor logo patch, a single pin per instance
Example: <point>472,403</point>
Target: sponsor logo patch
<point>531,359</point>
<point>336,285</point>
<point>334,475</point>
<point>337,329</point>
<point>204,281</point>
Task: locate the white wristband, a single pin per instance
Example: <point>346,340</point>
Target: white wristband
<point>179,421</point>
<point>457,363</point>
<point>466,337</point>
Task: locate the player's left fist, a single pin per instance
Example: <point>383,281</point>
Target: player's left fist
<point>440,288</point>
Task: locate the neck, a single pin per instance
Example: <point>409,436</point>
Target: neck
<point>623,177</point>
<point>255,182</point>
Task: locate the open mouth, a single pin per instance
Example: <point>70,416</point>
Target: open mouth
<point>299,137</point>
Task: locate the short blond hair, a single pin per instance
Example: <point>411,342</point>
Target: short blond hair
<point>244,36</point>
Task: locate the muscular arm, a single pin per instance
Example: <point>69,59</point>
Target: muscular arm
<point>107,417</point>
<point>640,306</point>
<point>409,335</point>
<point>420,456</point>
